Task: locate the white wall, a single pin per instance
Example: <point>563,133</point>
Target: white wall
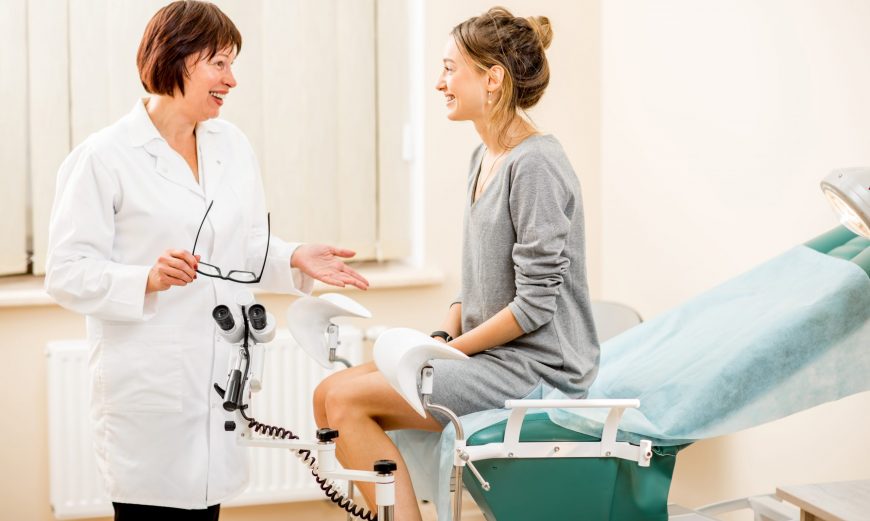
<point>719,119</point>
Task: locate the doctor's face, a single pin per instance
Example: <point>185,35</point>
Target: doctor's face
<point>463,85</point>
<point>209,81</point>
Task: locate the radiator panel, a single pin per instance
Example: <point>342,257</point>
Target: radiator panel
<point>289,379</point>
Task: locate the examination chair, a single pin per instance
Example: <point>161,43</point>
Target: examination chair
<point>607,488</point>
<point>796,352</point>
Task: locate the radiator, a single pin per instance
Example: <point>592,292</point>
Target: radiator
<point>276,476</point>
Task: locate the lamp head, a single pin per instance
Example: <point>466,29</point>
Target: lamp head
<point>309,317</point>
<point>401,352</point>
<point>848,191</point>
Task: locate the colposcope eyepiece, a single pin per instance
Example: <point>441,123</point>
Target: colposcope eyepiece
<point>257,316</point>
<point>223,317</point>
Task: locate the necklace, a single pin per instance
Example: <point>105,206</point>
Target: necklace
<point>482,184</point>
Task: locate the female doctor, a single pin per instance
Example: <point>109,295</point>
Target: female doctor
<point>127,213</point>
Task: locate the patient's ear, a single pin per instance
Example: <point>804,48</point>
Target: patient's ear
<point>494,78</point>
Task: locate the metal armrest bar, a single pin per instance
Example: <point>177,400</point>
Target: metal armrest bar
<point>558,449</point>
<point>607,447</point>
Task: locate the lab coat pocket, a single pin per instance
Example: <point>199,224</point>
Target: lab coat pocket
<point>142,372</point>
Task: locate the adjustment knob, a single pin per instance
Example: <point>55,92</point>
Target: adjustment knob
<point>326,434</point>
<point>385,466</point>
<point>229,426</point>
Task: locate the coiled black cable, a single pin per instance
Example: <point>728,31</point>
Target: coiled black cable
<point>329,487</point>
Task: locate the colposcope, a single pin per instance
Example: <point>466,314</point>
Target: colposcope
<point>246,324</point>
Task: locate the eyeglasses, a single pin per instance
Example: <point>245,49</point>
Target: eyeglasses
<point>240,276</point>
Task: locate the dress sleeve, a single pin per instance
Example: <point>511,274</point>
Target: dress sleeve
<point>540,206</point>
<point>80,274</point>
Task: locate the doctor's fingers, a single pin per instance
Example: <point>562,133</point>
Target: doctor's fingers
<point>343,252</point>
<point>342,279</point>
<point>184,256</point>
<point>172,276</point>
<point>175,269</point>
<point>352,277</point>
<point>332,280</point>
<point>179,263</point>
<point>162,277</point>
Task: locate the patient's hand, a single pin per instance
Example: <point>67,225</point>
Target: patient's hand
<point>322,262</point>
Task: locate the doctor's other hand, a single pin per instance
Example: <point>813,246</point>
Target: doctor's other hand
<point>322,262</point>
<point>173,268</point>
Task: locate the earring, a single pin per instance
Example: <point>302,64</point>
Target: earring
<point>489,97</point>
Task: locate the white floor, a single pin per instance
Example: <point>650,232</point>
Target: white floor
<point>470,512</point>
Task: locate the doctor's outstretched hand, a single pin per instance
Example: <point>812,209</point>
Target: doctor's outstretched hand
<point>322,262</point>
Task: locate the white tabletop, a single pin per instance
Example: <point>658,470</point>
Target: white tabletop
<point>842,501</point>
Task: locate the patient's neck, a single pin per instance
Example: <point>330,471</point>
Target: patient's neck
<point>497,143</point>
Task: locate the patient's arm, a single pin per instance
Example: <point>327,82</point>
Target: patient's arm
<point>500,329</point>
<point>452,323</point>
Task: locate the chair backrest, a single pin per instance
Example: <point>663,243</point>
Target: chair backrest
<point>612,318</point>
<point>843,244</point>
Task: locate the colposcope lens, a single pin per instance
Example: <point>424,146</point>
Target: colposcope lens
<point>223,317</point>
<point>257,315</point>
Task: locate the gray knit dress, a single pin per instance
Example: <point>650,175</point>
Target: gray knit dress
<point>523,247</point>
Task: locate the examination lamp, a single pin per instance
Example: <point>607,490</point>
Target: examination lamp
<point>848,190</point>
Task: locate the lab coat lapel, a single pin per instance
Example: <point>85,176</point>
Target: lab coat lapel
<point>165,157</point>
<point>167,162</point>
<point>213,159</point>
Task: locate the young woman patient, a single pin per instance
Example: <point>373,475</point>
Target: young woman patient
<point>523,311</point>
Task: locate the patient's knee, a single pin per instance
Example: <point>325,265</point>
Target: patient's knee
<point>341,406</point>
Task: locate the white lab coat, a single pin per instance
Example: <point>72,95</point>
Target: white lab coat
<point>123,198</point>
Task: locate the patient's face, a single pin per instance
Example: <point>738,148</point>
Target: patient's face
<point>463,85</point>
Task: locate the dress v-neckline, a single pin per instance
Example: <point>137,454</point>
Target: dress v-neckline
<point>507,156</point>
<point>475,200</point>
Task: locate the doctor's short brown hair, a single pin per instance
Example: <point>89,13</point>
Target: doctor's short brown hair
<point>177,31</point>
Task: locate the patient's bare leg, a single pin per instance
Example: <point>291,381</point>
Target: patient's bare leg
<point>362,408</point>
<point>334,381</point>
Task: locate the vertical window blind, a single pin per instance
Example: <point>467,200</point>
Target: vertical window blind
<point>322,96</point>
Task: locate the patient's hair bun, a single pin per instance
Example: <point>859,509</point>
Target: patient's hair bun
<point>541,26</point>
<point>516,43</point>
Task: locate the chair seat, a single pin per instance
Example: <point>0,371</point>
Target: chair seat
<point>563,489</point>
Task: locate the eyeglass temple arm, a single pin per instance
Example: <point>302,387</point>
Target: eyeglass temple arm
<point>196,240</point>
<point>268,239</point>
